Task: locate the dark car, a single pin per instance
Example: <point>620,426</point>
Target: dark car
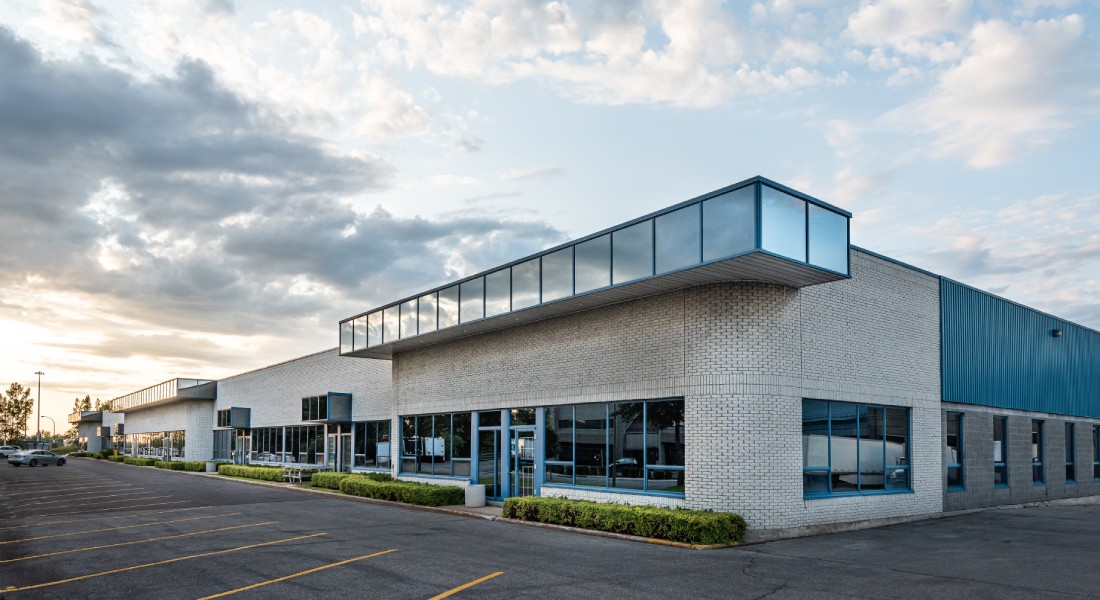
<point>33,458</point>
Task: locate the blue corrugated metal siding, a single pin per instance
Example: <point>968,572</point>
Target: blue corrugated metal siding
<point>998,353</point>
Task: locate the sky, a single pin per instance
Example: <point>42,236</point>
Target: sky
<point>198,188</point>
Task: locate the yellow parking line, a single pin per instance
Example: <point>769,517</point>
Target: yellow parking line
<point>102,518</point>
<point>84,512</point>
<point>57,535</point>
<point>298,574</point>
<point>73,495</point>
<point>464,586</point>
<point>153,564</point>
<point>31,512</point>
<point>132,542</point>
<point>127,493</point>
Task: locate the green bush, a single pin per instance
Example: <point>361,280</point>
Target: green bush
<point>141,462</point>
<point>117,458</point>
<point>70,450</point>
<point>677,525</point>
<point>422,494</point>
<point>182,465</point>
<point>80,454</point>
<point>262,473</point>
<point>104,453</point>
<point>329,481</point>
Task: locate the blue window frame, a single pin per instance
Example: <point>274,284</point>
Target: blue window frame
<point>1071,467</point>
<point>1037,475</point>
<point>633,446</point>
<point>953,449</point>
<point>1096,452</point>
<point>852,449</point>
<point>1000,451</point>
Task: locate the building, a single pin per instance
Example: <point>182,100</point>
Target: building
<point>732,352</point>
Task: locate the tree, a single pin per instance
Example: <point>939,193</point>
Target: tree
<point>79,405</point>
<point>16,407</point>
<point>102,404</point>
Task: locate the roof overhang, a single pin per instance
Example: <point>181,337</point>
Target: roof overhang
<point>757,266</point>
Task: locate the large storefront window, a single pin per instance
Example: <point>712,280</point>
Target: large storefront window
<point>161,445</point>
<point>636,446</point>
<point>850,448</point>
<point>436,445</point>
<point>296,444</point>
<point>372,445</point>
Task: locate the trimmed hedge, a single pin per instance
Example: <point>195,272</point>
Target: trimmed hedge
<point>332,480</point>
<point>119,458</point>
<point>262,473</point>
<point>677,525</point>
<point>141,462</point>
<point>194,466</point>
<point>81,454</point>
<point>408,492</point>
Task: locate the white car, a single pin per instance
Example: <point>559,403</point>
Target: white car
<point>6,451</point>
<point>33,458</point>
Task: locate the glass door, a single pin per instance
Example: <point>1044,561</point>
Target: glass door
<point>240,452</point>
<point>488,461</point>
<point>522,467</point>
<point>345,453</point>
<point>330,452</point>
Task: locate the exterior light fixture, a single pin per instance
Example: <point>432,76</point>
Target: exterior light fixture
<point>1056,333</point>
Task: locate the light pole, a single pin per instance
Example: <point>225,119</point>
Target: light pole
<point>40,374</point>
<point>53,426</point>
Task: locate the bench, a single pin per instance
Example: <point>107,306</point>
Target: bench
<point>292,475</point>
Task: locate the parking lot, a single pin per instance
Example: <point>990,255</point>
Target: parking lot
<point>93,529</point>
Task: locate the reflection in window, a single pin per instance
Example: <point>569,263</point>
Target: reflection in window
<point>359,333</point>
<point>632,252</point>
<point>637,445</point>
<point>828,239</point>
<point>677,236</point>
<point>426,322</point>
<point>953,449</point>
<point>525,284</point>
<point>1037,475</point>
<point>522,416</point>
<point>854,448</point>
<point>372,444</point>
<point>782,223</point>
<point>498,293</point>
<point>391,324</point>
<point>593,264</point>
<point>448,307</point>
<point>437,445</point>
<point>557,274</point>
<point>374,328</point>
<point>408,319</point>
<point>729,223</point>
<point>345,337</point>
<point>1000,451</point>
<point>473,300</point>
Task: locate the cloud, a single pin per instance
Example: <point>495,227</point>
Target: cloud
<point>1017,88</point>
<point>531,172</point>
<point>175,205</point>
<point>1044,252</point>
<point>690,54</point>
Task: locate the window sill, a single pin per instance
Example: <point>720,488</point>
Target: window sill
<point>604,490</point>
<point>956,489</point>
<point>430,476</point>
<point>1038,484</point>
<point>855,494</point>
<point>1000,486</point>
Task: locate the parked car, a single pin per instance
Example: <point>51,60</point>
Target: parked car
<point>6,451</point>
<point>34,458</point>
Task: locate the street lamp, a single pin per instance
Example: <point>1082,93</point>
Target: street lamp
<point>40,374</point>
<point>53,426</point>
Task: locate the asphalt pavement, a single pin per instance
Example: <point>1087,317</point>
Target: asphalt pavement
<point>93,529</point>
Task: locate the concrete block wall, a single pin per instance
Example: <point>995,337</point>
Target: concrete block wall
<point>743,356</point>
<point>979,490</point>
<point>275,393</point>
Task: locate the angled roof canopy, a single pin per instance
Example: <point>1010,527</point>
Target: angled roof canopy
<point>755,230</point>
<point>172,390</point>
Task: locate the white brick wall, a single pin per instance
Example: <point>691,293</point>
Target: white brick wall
<point>275,393</point>
<point>743,355</point>
<point>194,417</point>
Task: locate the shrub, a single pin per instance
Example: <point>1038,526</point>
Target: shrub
<point>181,465</point>
<point>677,525</point>
<point>117,458</point>
<point>329,481</point>
<point>141,462</point>
<point>422,494</point>
<point>262,473</point>
<point>80,454</point>
<point>104,453</point>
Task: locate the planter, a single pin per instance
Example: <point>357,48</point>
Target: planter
<point>211,466</point>
<point>475,496</point>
